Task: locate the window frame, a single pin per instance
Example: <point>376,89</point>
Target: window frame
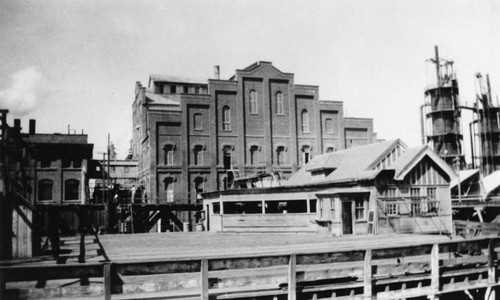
<point>169,155</point>
<point>253,101</point>
<point>67,182</point>
<point>279,103</point>
<point>329,126</point>
<point>226,118</point>
<point>197,122</point>
<point>45,182</point>
<point>304,119</point>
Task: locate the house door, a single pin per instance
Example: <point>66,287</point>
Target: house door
<point>346,217</point>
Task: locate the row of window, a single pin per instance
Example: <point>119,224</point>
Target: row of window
<point>185,89</point>
<point>66,163</point>
<point>46,189</point>
<point>359,209</point>
<point>198,154</point>
<point>265,207</point>
<point>418,204</point>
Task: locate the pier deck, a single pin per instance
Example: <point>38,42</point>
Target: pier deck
<point>203,265</point>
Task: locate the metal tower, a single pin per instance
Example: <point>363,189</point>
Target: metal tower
<point>442,126</point>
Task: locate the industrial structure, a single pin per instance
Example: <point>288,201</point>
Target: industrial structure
<point>189,132</point>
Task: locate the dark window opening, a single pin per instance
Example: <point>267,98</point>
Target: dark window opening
<point>186,89</point>
<point>71,189</point>
<point>45,163</point>
<point>248,207</point>
<point>226,159</point>
<point>312,205</point>
<point>283,207</point>
<point>173,89</point>
<point>45,189</point>
<point>216,208</point>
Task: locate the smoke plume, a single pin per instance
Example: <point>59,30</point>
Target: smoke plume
<point>21,97</point>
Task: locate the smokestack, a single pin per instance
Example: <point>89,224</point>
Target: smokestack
<point>217,72</point>
<point>32,126</point>
<point>17,123</point>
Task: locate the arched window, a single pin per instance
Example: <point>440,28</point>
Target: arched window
<point>280,155</point>
<point>198,155</point>
<point>45,189</point>
<point>71,189</point>
<point>199,186</point>
<point>169,189</point>
<point>253,102</point>
<point>226,118</point>
<point>169,155</point>
<point>305,121</point>
<point>279,103</point>
<point>254,155</point>
<point>197,120</point>
<point>330,149</point>
<point>329,125</point>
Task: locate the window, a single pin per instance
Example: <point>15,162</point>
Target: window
<point>246,207</point>
<point>226,157</point>
<point>391,206</point>
<point>416,205</point>
<point>45,163</point>
<point>332,208</point>
<point>312,205</point>
<point>169,155</point>
<point>321,204</point>
<point>197,90</point>
<point>197,119</point>
<point>253,102</point>
<point>71,189</point>
<point>216,208</point>
<point>254,155</point>
<point>45,189</point>
<point>279,103</point>
<point>198,155</point>
<point>169,189</point>
<point>185,89</point>
<point>329,125</point>
<point>330,149</point>
<point>173,89</point>
<point>306,154</point>
<point>226,118</point>
<point>159,88</point>
<point>284,206</point>
<point>433,201</point>
<point>359,206</point>
<point>280,155</point>
<point>305,121</point>
<point>198,186</point>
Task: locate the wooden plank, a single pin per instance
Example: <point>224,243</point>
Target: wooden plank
<point>401,251</point>
<point>292,277</point>
<point>204,279</point>
<point>367,289</point>
<point>157,267</point>
<point>49,272</point>
<point>107,281</point>
<point>247,263</point>
<point>435,268</point>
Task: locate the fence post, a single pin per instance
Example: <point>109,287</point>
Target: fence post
<point>368,293</point>
<point>492,271</point>
<point>204,279</point>
<point>435,271</point>
<point>107,281</point>
<point>292,277</point>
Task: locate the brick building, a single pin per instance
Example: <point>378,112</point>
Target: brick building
<point>188,132</point>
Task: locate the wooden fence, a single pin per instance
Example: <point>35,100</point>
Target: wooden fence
<point>427,270</point>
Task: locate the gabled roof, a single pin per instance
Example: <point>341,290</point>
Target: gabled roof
<point>408,160</point>
<point>349,165</point>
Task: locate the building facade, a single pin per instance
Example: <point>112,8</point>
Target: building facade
<point>187,133</point>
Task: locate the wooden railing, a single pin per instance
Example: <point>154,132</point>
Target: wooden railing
<point>372,273</point>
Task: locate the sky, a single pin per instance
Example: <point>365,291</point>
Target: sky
<point>75,63</point>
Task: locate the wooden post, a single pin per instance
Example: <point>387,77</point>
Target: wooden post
<point>204,279</point>
<point>292,277</point>
<point>435,270</point>
<point>81,257</point>
<point>107,281</point>
<point>368,293</point>
<point>492,271</point>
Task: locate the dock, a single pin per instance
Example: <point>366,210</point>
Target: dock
<point>202,265</point>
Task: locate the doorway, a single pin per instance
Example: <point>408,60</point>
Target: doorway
<point>346,217</point>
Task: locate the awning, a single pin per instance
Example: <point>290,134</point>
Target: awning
<point>490,183</point>
<point>463,175</point>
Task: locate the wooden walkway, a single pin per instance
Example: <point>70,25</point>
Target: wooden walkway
<point>279,266</point>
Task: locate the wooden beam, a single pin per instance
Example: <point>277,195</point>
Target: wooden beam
<point>367,274</point>
<point>49,272</point>
<point>292,277</point>
<point>107,281</point>
<point>157,267</point>
<point>492,271</point>
<point>435,269</point>
<point>204,279</point>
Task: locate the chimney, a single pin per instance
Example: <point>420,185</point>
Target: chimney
<point>17,123</point>
<point>217,72</point>
<point>32,126</point>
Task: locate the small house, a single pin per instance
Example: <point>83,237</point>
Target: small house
<point>379,188</point>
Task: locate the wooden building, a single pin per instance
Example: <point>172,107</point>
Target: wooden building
<point>379,188</point>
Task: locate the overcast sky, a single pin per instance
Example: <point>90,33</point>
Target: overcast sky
<point>76,62</point>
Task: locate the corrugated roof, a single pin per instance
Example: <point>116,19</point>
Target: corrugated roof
<point>349,164</point>
<point>178,79</point>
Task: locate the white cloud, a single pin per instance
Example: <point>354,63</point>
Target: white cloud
<point>21,97</point>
